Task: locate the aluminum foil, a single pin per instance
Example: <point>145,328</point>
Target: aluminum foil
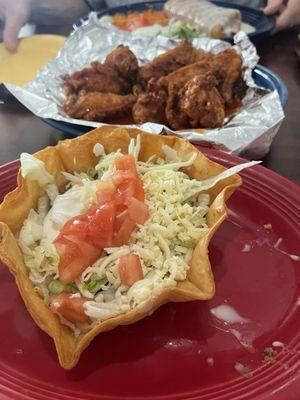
<point>249,131</point>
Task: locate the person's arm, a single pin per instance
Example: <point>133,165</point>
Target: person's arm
<point>288,13</point>
<point>15,13</point>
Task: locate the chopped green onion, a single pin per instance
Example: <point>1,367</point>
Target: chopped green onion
<point>29,261</point>
<point>56,287</point>
<point>71,287</point>
<point>95,283</point>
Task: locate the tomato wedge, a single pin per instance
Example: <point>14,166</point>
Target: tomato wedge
<point>130,269</point>
<point>69,307</point>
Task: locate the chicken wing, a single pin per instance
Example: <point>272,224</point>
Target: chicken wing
<point>164,64</point>
<point>198,105</point>
<point>202,103</point>
<point>174,83</point>
<point>116,75</point>
<point>124,62</point>
<point>96,78</point>
<point>177,79</point>
<point>150,105</point>
<point>95,106</point>
<point>227,68</point>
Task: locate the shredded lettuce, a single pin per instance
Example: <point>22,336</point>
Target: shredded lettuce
<point>182,30</point>
<point>107,18</point>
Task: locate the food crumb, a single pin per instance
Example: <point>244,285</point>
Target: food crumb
<point>246,248</point>
<point>269,354</point>
<point>277,344</point>
<point>268,226</point>
<point>242,369</point>
<point>210,361</point>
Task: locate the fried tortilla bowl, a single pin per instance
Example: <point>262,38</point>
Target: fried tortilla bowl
<point>76,155</point>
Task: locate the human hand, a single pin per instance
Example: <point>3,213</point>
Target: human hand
<point>289,13</point>
<point>14,14</point>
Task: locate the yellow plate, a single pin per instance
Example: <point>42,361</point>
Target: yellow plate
<point>32,54</point>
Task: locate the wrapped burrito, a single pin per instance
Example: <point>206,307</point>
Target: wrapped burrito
<point>215,21</point>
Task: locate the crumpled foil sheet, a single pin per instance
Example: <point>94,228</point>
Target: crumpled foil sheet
<point>249,131</point>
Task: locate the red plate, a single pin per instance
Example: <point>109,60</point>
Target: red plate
<point>187,350</point>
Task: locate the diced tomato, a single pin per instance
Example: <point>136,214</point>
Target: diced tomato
<point>130,269</point>
<point>124,192</point>
<point>88,251</point>
<point>138,211</point>
<point>69,272</point>
<point>126,163</point>
<point>120,218</point>
<point>66,249</point>
<point>127,179</point>
<point>106,192</point>
<point>69,307</point>
<point>78,250</point>
<point>101,226</point>
<point>139,190</point>
<point>122,235</point>
<point>76,226</point>
<point>136,21</point>
<point>75,256</point>
<point>120,177</point>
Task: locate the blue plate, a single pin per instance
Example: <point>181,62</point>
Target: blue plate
<point>262,76</point>
<point>263,24</point>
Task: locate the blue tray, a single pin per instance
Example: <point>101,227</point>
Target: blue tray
<point>262,76</point>
<point>263,24</point>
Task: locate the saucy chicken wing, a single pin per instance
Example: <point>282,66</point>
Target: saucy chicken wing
<point>197,105</point>
<point>183,88</point>
<point>95,106</point>
<point>150,105</point>
<point>124,62</point>
<point>164,64</point>
<point>174,82</point>
<point>96,78</point>
<point>116,75</point>
<point>227,68</point>
<point>177,79</point>
<point>202,103</point>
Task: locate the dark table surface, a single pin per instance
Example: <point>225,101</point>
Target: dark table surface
<point>20,131</point>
